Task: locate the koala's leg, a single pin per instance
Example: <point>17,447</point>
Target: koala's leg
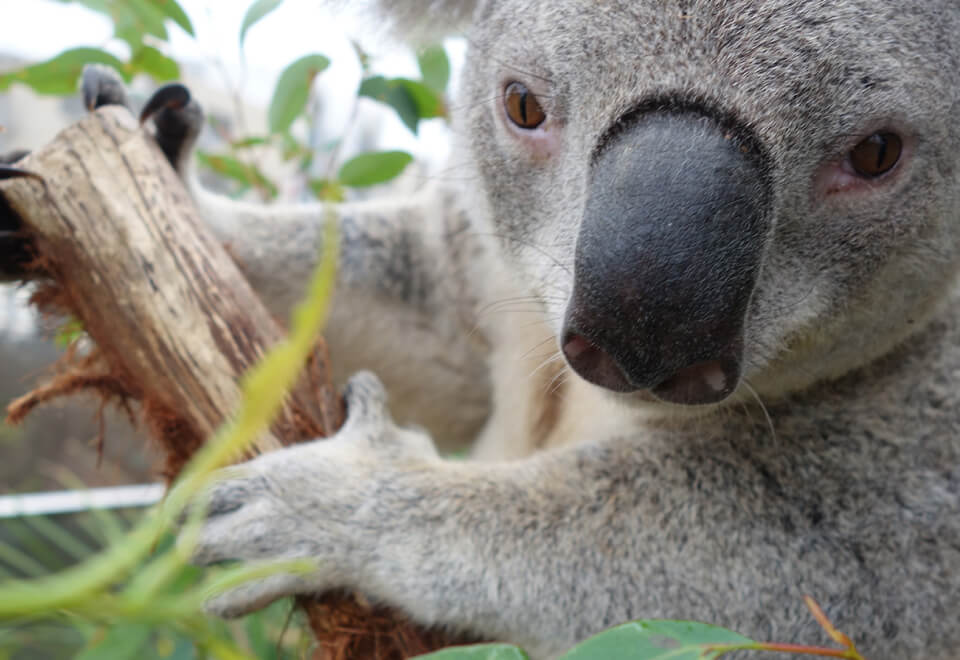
<point>404,301</point>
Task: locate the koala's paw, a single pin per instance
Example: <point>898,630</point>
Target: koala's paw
<point>311,501</point>
<point>15,250</point>
<point>101,85</point>
<point>177,118</point>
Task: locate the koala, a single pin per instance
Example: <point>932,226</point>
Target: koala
<point>691,303</point>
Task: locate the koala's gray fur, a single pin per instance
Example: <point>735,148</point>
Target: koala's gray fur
<point>846,486</point>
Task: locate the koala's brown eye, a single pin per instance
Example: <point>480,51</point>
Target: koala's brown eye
<point>876,155</point>
<point>522,106</point>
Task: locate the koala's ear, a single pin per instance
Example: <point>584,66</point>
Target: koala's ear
<point>429,20</point>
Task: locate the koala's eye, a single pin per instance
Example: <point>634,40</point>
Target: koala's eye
<point>876,155</point>
<point>522,106</point>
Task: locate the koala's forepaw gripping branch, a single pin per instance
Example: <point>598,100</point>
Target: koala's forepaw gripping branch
<point>173,319</point>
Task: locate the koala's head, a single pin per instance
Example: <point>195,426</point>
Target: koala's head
<point>707,192</point>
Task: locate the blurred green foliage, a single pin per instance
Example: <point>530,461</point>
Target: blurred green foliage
<point>41,545</point>
<point>143,26</point>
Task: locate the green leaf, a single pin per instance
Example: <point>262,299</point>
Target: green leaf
<point>257,636</point>
<point>134,19</point>
<point>121,641</point>
<point>253,141</point>
<point>372,168</point>
<point>172,10</point>
<point>434,68</point>
<point>412,100</point>
<point>257,10</point>
<point>59,75</point>
<point>232,168</point>
<point>478,652</point>
<point>293,89</point>
<point>151,61</point>
<point>656,640</point>
<point>327,191</point>
<point>429,103</point>
<point>151,12</point>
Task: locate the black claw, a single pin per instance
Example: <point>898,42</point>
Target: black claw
<point>16,252</point>
<point>12,157</point>
<point>173,96</point>
<point>9,172</point>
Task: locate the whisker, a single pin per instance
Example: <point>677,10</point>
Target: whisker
<point>763,408</point>
<point>486,54</point>
<point>527,353</point>
<point>550,361</point>
<point>557,381</point>
<point>528,244</point>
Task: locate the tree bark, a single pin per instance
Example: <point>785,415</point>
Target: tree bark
<point>174,321</point>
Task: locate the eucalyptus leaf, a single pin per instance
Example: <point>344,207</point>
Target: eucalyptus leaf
<point>656,640</point>
<point>372,168</point>
<point>397,97</point>
<point>429,103</point>
<point>411,100</point>
<point>477,652</point>
<point>434,68</point>
<point>135,19</point>
<point>293,89</point>
<point>171,9</point>
<point>59,74</point>
<point>151,61</point>
<point>255,12</point>
<point>253,141</point>
<point>119,643</point>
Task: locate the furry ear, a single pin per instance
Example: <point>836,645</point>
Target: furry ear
<point>428,20</point>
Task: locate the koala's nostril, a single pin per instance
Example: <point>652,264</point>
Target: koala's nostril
<point>706,382</point>
<point>594,364</point>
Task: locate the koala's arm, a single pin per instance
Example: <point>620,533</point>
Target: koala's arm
<point>542,551</point>
<point>521,550</point>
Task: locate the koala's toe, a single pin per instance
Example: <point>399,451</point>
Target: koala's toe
<point>100,85</point>
<point>11,157</point>
<point>365,397</point>
<point>230,494</point>
<point>246,535</point>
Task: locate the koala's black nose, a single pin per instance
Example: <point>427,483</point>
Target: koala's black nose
<point>672,239</point>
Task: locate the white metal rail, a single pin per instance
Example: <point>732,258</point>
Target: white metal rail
<point>72,501</point>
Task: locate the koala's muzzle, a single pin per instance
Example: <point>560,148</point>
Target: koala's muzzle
<point>673,235</point>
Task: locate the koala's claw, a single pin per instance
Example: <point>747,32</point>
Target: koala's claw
<point>173,96</point>
<point>10,172</point>
<point>100,85</point>
<point>178,119</point>
<point>15,250</point>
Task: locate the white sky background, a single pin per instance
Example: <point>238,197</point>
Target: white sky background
<point>38,29</point>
